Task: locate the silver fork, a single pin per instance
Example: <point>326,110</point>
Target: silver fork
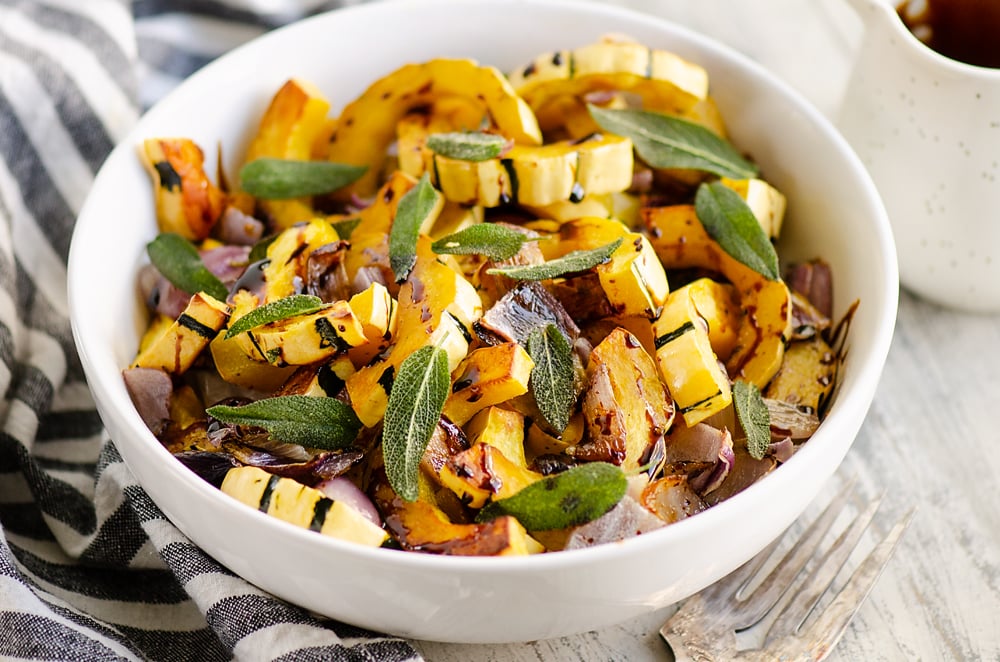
<point>705,627</point>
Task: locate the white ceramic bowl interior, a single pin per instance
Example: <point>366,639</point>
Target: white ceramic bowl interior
<point>834,212</point>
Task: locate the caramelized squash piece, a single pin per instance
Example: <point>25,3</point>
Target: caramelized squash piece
<point>187,202</point>
<point>303,506</point>
<point>663,80</point>
<point>294,122</point>
<point>501,428</point>
<point>422,527</point>
<point>681,241</point>
<point>176,349</point>
<point>289,256</point>
<point>625,406</point>
<point>697,382</point>
<point>488,376</point>
<point>436,303</point>
<point>483,473</point>
<point>367,125</point>
<point>806,376</point>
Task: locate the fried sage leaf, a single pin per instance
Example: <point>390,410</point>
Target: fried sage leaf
<point>571,498</point>
<point>413,210</point>
<point>277,179</point>
<point>415,402</point>
<point>732,224</point>
<point>467,145</point>
<point>571,263</point>
<point>664,141</point>
<point>177,259</point>
<point>754,416</point>
<point>551,379</point>
<point>323,423</point>
<point>494,241</point>
<point>290,306</point>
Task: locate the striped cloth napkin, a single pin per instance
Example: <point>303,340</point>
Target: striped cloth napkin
<point>89,567</point>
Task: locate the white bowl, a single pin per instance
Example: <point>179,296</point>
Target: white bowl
<point>834,212</point>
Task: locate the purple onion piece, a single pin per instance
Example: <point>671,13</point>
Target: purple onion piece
<point>343,490</point>
<point>211,467</point>
<point>782,450</point>
<point>707,482</point>
<point>238,228</point>
<point>150,390</point>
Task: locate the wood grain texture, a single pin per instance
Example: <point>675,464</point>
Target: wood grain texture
<point>928,441</point>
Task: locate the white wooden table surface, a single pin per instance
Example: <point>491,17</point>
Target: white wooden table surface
<point>929,439</point>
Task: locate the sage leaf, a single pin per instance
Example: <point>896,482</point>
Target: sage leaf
<point>494,241</point>
<point>278,179</point>
<point>346,227</point>
<point>259,250</point>
<point>753,416</point>
<point>572,262</point>
<point>551,380</point>
<point>732,224</point>
<point>297,419</point>
<point>178,261</point>
<point>290,306</point>
<point>571,498</point>
<point>467,145</point>
<point>414,410</point>
<point>413,209</point>
<point>664,141</point>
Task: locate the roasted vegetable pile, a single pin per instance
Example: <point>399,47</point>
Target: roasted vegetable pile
<point>483,314</point>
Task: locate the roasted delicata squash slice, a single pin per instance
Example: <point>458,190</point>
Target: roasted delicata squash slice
<point>293,123</point>
<point>436,304</point>
<point>488,376</point>
<point>423,527</point>
<point>633,279</point>
<point>532,175</point>
<point>766,202</point>
<point>367,125</point>
<point>187,202</point>
<point>483,473</point>
<point>501,428</point>
<point>690,368</point>
<point>176,348</point>
<point>288,256</point>
<point>625,407</point>
<point>806,376</point>
<point>719,305</point>
<point>663,80</point>
<point>305,339</point>
<point>680,240</point>
<point>303,506</point>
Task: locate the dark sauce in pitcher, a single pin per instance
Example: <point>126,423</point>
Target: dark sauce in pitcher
<point>964,30</point>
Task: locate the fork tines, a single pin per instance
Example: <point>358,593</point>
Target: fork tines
<point>704,628</point>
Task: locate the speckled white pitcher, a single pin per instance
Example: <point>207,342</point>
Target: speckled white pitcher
<point>928,129</point>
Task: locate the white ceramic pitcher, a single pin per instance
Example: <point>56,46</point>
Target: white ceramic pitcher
<point>928,129</point>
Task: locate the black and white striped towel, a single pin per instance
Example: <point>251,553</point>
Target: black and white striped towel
<point>89,568</point>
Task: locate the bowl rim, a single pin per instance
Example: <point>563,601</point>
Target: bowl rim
<point>846,404</point>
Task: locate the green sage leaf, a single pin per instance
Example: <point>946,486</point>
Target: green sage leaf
<point>467,145</point>
<point>259,250</point>
<point>664,141</point>
<point>415,402</point>
<point>290,306</point>
<point>753,416</point>
<point>345,228</point>
<point>277,179</point>
<point>732,224</point>
<point>572,262</point>
<point>551,380</point>
<point>494,241</point>
<point>571,498</point>
<point>178,261</point>
<point>413,210</point>
<point>297,419</point>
